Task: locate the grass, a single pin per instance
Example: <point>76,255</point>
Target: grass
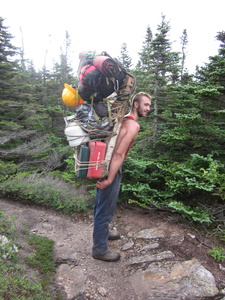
<point>28,277</point>
<point>42,257</point>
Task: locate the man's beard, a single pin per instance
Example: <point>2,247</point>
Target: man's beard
<point>139,112</point>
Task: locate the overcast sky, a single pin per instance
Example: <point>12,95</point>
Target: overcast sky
<point>105,25</point>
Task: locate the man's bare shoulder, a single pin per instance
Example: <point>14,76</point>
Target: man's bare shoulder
<point>131,124</point>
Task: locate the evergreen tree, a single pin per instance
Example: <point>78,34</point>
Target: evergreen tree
<point>184,43</point>
<point>143,69</point>
<point>157,67</point>
<point>185,164</point>
<point>27,128</point>
<point>125,59</point>
<point>214,71</point>
<point>8,67</point>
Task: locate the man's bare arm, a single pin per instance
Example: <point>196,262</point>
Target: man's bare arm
<point>127,133</point>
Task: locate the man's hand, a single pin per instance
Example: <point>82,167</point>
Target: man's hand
<point>103,184</point>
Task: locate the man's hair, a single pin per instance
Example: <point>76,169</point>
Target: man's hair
<point>138,97</point>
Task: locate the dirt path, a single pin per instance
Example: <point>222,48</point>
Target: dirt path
<point>160,259</point>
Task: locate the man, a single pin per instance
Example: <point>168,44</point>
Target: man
<point>108,189</point>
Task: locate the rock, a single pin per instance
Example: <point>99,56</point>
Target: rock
<point>160,232</point>
<point>152,233</point>
<point>66,257</point>
<point>151,258</point>
<point>47,226</point>
<point>102,291</point>
<point>130,234</point>
<point>183,280</point>
<point>69,261</point>
<point>149,247</point>
<point>127,246</point>
<point>72,279</point>
<point>221,267</point>
<point>191,235</point>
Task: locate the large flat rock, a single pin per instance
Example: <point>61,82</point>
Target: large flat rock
<point>182,280</point>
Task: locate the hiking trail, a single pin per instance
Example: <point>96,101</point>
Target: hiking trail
<point>162,256</point>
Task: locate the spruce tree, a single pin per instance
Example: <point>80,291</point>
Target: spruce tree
<point>125,59</point>
<point>184,43</point>
<point>27,127</point>
<point>158,66</point>
<point>185,160</point>
<point>214,71</point>
<point>8,67</point>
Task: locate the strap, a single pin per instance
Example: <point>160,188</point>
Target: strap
<point>109,112</point>
<point>129,117</point>
<point>92,104</point>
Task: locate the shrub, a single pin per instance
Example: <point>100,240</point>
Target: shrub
<point>171,184</point>
<point>46,190</point>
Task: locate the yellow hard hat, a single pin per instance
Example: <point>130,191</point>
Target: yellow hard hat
<point>70,96</point>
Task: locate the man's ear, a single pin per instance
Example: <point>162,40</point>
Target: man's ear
<point>136,104</point>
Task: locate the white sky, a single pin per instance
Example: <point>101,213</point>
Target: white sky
<point>105,25</point>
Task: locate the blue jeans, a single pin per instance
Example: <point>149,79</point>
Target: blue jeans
<point>105,207</point>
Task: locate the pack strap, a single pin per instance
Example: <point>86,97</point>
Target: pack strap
<point>92,104</point>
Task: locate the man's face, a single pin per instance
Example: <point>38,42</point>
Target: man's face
<point>143,107</point>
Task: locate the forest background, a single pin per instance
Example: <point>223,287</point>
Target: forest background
<point>177,162</point>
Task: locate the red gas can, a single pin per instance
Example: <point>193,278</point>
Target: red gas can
<point>97,154</point>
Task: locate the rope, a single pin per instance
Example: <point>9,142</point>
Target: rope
<point>81,165</point>
<point>94,131</point>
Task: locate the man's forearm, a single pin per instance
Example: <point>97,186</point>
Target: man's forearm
<point>116,162</point>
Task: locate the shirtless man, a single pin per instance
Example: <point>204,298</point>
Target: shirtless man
<point>108,189</point>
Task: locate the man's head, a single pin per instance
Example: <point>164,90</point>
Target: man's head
<point>141,103</point>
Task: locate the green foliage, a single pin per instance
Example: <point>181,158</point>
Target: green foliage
<point>46,190</point>
<point>15,281</point>
<point>125,58</point>
<point>15,285</point>
<point>69,174</point>
<point>7,169</point>
<point>135,169</point>
<point>143,182</point>
<point>179,154</point>
<point>171,184</point>
<point>218,253</point>
<point>6,227</point>
<point>42,256</point>
<point>197,173</point>
<point>192,213</point>
<point>213,73</point>
<point>220,190</point>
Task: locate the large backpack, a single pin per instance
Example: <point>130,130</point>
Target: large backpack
<point>90,76</point>
<point>99,76</point>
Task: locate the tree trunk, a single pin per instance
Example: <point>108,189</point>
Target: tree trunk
<point>155,107</point>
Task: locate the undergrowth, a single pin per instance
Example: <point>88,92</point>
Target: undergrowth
<point>218,253</point>
<point>28,278</point>
<point>42,257</point>
<point>47,190</point>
